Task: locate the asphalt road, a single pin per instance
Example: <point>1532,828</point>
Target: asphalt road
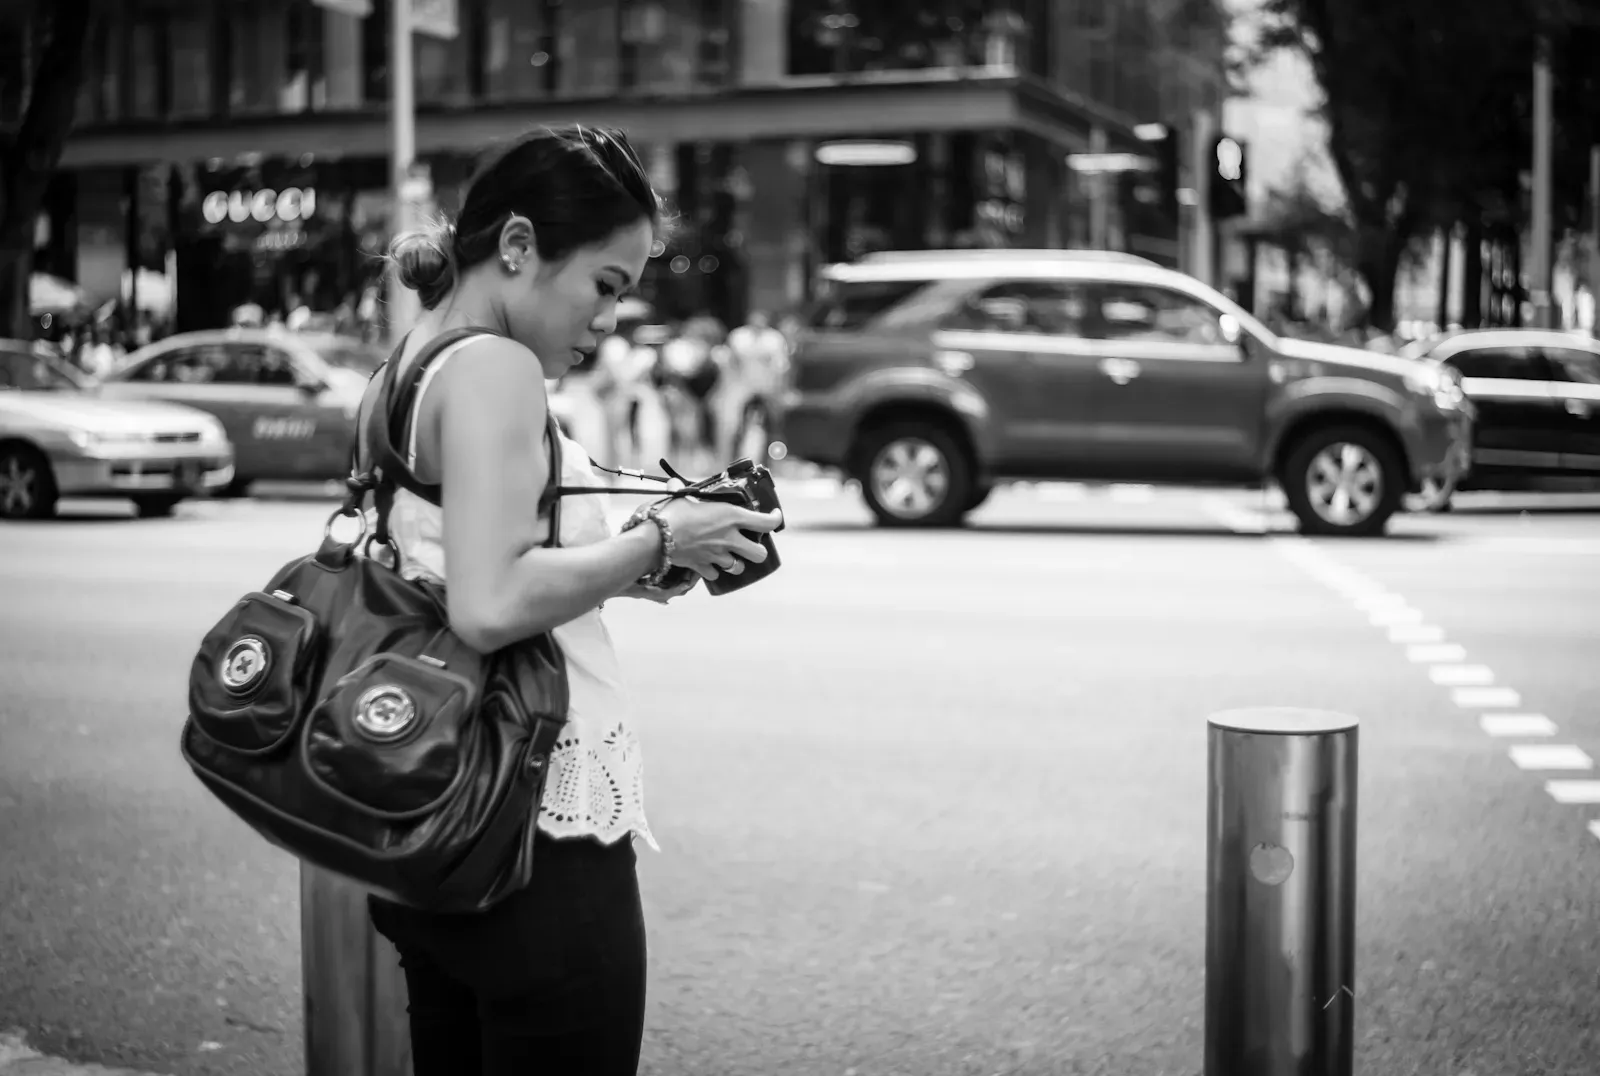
<point>929,803</point>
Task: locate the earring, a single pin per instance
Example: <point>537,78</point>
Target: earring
<point>511,266</point>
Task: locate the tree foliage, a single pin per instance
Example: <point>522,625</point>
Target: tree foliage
<point>59,31</point>
<point>1428,105</point>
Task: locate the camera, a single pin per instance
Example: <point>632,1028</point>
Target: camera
<point>749,485</point>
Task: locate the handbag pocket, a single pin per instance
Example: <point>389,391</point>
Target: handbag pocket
<point>253,674</point>
<point>393,737</point>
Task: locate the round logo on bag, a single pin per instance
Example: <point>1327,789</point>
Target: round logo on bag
<point>244,664</point>
<point>385,712</point>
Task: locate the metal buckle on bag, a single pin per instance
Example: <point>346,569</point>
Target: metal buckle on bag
<point>385,712</point>
<point>356,513</point>
<point>245,663</point>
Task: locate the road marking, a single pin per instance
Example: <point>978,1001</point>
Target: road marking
<point>1541,547</point>
<point>1415,633</point>
<point>1388,618</point>
<point>1062,492</point>
<point>1551,756</point>
<point>1570,792</point>
<point>1461,675</point>
<point>1236,519</point>
<point>1125,494</point>
<point>1594,828</point>
<point>1517,725</point>
<point>1383,599</point>
<point>1431,652</point>
<point>1484,698</point>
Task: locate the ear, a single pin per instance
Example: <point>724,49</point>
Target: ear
<point>516,242</point>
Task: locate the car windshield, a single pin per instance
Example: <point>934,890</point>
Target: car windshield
<point>22,371</point>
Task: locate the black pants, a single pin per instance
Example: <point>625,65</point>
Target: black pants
<point>551,980</point>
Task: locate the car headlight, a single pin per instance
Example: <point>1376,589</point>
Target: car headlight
<point>212,432</point>
<point>89,440</point>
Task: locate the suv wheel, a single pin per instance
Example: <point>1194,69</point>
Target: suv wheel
<point>27,487</point>
<point>915,474</point>
<point>1344,480</point>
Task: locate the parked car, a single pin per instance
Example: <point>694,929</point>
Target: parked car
<point>57,438</point>
<point>1537,397</point>
<point>930,376</point>
<point>288,400</point>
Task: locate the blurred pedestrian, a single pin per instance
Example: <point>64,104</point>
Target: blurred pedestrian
<point>758,361</point>
<point>552,979</point>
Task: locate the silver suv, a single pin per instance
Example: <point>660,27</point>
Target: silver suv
<point>931,375</point>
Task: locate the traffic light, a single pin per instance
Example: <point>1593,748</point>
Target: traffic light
<point>1228,178</point>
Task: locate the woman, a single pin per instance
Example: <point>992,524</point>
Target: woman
<point>551,233</point>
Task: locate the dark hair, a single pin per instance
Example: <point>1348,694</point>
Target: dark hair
<point>576,184</point>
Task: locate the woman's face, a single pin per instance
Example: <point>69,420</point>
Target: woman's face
<point>562,310</point>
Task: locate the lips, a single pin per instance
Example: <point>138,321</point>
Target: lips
<point>584,353</point>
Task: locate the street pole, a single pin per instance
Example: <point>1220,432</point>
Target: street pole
<point>1280,893</point>
<point>1100,195</point>
<point>1539,247</point>
<point>1202,251</point>
<point>403,303</point>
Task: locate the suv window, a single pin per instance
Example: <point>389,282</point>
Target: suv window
<point>856,304</point>
<point>1506,363</point>
<point>1572,365</point>
<point>1145,313</point>
<point>1053,307</point>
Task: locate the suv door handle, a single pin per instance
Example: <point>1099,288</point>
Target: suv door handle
<point>1581,408</point>
<point>1120,371</point>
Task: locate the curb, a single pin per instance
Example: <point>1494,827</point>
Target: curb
<point>17,1058</point>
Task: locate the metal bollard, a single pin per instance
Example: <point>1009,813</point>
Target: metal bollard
<point>1280,893</point>
<point>354,990</point>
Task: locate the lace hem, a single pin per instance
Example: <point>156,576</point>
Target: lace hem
<point>596,786</point>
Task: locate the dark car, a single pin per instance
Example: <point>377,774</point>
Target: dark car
<point>288,400</point>
<point>1537,395</point>
<point>930,376</point>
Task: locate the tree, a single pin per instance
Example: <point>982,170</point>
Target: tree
<point>58,33</point>
<point>1427,105</point>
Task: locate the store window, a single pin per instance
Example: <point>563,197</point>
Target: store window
<point>517,50</point>
<point>145,66</point>
<point>14,66</point>
<point>303,84</point>
<point>673,46</point>
<point>442,70</point>
<point>190,43</point>
<point>848,36</point>
<point>588,47</point>
<point>255,55</point>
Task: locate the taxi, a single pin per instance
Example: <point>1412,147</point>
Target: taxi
<point>288,401</point>
<point>59,439</point>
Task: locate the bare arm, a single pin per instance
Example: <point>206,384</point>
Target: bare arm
<point>504,586</point>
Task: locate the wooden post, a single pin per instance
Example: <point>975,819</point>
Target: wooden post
<point>354,990</point>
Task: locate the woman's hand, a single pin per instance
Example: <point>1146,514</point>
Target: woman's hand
<point>661,596</point>
<point>706,535</point>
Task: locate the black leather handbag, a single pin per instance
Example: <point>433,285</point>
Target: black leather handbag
<point>336,713</point>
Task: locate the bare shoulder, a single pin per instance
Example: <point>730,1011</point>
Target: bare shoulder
<point>494,375</point>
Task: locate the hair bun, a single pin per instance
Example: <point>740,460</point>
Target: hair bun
<point>425,261</point>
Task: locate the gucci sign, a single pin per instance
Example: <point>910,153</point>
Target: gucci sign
<point>289,204</point>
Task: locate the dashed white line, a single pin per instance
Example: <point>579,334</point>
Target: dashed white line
<point>1517,725</point>
<point>1389,617</point>
<point>1553,756</point>
<point>1428,653</point>
<point>1415,633</point>
<point>1461,675</point>
<point>1383,599</point>
<point>1485,698</point>
<point>1128,494</point>
<point>1573,792</point>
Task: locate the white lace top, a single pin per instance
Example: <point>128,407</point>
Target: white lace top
<point>596,781</point>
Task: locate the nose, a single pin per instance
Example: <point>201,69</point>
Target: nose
<point>605,322</point>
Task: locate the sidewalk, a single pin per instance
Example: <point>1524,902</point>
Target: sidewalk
<point>17,1058</point>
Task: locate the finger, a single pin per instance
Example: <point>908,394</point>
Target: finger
<point>754,552</point>
<point>762,522</point>
<point>735,566</point>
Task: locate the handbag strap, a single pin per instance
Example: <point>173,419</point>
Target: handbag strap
<point>379,466</point>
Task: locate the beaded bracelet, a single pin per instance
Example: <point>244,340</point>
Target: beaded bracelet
<point>653,513</point>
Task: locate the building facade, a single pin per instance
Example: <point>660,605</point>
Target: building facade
<point>242,146</point>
